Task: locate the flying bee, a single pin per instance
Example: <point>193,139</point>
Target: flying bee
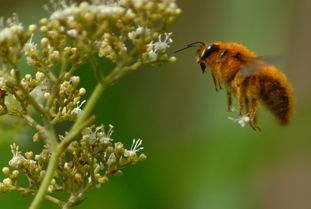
<point>249,77</point>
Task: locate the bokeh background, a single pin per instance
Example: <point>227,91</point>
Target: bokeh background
<point>197,158</point>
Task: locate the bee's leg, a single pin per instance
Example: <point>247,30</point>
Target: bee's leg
<point>253,114</point>
<point>241,98</point>
<point>219,85</point>
<point>238,84</point>
<point>247,104</point>
<point>229,100</point>
<point>253,93</point>
<point>215,81</point>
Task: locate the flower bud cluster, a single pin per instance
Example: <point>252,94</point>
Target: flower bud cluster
<point>124,31</point>
<point>68,101</point>
<point>112,29</point>
<point>97,156</point>
<point>13,37</point>
<point>90,161</point>
<point>43,59</point>
<point>26,164</point>
<point>14,91</point>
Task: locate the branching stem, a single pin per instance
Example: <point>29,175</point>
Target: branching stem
<point>76,129</point>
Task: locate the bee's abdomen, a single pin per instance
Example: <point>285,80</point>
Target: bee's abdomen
<point>278,98</point>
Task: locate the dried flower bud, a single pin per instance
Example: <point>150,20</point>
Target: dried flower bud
<point>103,180</point>
<point>29,155</point>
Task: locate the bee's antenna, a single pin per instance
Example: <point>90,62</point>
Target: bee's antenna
<point>194,44</point>
<point>197,42</point>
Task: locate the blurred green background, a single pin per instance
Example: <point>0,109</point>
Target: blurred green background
<point>197,158</point>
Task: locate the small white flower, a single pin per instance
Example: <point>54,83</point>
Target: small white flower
<point>173,6</point>
<point>111,159</point>
<point>138,32</point>
<point>17,28</point>
<point>136,147</point>
<point>90,134</point>
<point>99,134</point>
<point>77,110</point>
<point>6,34</point>
<point>241,120</point>
<point>110,10</point>
<point>73,33</point>
<point>39,76</point>
<point>153,56</point>
<point>129,14</point>
<point>64,13</point>
<point>105,138</point>
<point>17,158</point>
<point>162,45</point>
<point>154,48</point>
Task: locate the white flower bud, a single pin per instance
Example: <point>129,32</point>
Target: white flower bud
<point>172,59</point>
<point>73,33</point>
<point>13,72</point>
<point>7,182</point>
<point>39,76</point>
<point>28,76</point>
<point>6,171</point>
<point>75,80</point>
<point>43,29</point>
<point>15,173</point>
<point>82,91</point>
<point>32,28</point>
<point>44,42</point>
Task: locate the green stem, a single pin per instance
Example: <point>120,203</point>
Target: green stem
<point>54,200</point>
<point>46,181</point>
<point>51,137</point>
<point>74,133</point>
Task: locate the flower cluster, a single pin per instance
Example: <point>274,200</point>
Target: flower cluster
<point>13,37</point>
<point>128,33</point>
<point>89,162</point>
<point>112,28</point>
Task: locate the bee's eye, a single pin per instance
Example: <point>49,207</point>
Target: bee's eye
<point>209,50</point>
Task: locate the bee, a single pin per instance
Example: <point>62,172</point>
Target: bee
<point>250,78</point>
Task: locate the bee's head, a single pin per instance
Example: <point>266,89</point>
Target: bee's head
<point>204,52</point>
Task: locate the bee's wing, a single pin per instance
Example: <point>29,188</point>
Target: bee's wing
<point>251,67</point>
